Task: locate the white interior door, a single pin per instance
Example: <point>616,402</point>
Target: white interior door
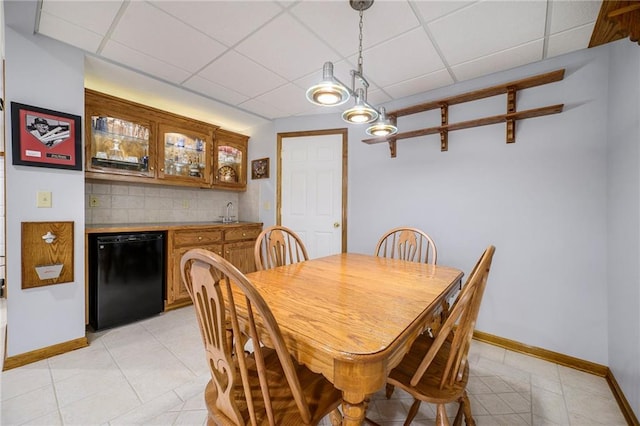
<point>311,199</point>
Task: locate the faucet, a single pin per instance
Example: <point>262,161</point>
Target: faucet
<point>227,218</point>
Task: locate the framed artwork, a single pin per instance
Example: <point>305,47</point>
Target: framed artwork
<point>45,138</point>
<point>260,168</point>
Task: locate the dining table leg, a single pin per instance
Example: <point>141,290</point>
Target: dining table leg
<point>353,408</point>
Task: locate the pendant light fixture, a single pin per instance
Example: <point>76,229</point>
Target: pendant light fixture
<point>332,92</point>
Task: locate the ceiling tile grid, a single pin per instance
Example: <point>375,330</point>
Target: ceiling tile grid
<point>260,56</point>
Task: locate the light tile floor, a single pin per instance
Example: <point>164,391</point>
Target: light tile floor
<point>153,372</point>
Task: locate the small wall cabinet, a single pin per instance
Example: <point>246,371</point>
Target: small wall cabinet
<point>230,160</point>
<point>127,141</point>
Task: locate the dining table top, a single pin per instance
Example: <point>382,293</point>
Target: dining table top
<point>353,316</point>
<point>352,304</point>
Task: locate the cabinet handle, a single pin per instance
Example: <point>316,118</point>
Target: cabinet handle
<point>199,238</point>
<point>162,169</point>
<point>244,234</point>
<point>227,251</point>
<point>151,168</point>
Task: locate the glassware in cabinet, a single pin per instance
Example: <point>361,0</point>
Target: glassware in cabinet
<point>119,145</point>
<point>185,155</point>
<point>230,160</point>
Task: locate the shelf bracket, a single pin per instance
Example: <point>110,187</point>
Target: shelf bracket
<point>444,121</point>
<point>392,147</point>
<point>511,108</point>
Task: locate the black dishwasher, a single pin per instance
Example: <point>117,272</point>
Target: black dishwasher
<point>126,277</point>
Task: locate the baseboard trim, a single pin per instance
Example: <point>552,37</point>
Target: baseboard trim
<point>627,411</point>
<point>555,357</point>
<point>44,353</point>
<point>567,361</point>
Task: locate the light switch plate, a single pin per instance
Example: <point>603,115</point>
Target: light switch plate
<point>44,199</point>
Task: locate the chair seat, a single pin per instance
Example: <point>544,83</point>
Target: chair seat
<point>428,389</point>
<point>322,397</point>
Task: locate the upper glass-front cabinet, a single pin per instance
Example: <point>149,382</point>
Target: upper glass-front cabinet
<point>130,142</point>
<point>185,155</point>
<point>230,160</point>
<point>119,145</point>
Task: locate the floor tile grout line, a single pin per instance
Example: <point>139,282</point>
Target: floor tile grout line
<point>55,392</point>
<point>115,361</point>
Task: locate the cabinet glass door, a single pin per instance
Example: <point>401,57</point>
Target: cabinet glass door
<point>185,156</point>
<point>229,164</point>
<point>118,144</point>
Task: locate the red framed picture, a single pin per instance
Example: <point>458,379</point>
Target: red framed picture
<point>45,138</point>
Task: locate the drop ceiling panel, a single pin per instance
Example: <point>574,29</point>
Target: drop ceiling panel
<point>420,84</point>
<point>569,41</point>
<point>234,70</point>
<point>488,27</point>
<point>339,27</point>
<point>95,16</point>
<point>290,99</point>
<point>573,13</point>
<point>391,62</point>
<point>263,109</point>
<point>58,29</point>
<point>507,59</point>
<point>152,31</point>
<point>287,48</point>
<point>226,21</point>
<point>431,10</point>
<point>214,90</point>
<point>145,63</point>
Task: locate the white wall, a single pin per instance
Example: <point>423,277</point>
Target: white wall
<point>46,74</point>
<point>540,201</point>
<point>623,276</point>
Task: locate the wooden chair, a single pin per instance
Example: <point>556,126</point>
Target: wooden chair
<point>409,244</point>
<point>277,246</point>
<point>266,386</point>
<point>435,370</point>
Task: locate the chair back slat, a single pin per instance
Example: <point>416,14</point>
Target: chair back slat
<point>209,304</point>
<point>410,244</point>
<point>278,246</point>
<point>210,281</point>
<point>459,326</point>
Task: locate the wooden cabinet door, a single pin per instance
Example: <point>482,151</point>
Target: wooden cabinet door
<point>119,140</point>
<point>177,294</point>
<point>230,160</point>
<point>184,155</point>
<point>240,254</point>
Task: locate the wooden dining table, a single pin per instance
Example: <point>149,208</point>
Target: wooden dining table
<point>352,317</point>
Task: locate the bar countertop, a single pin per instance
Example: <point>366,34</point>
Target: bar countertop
<point>159,226</point>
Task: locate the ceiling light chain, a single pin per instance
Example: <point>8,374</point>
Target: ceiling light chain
<point>360,43</point>
<point>331,91</point>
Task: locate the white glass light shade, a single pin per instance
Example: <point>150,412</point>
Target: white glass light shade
<point>329,92</point>
<point>360,112</point>
<point>382,127</point>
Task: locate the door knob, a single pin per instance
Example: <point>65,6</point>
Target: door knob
<point>336,224</point>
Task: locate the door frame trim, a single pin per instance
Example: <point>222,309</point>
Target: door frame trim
<point>345,158</point>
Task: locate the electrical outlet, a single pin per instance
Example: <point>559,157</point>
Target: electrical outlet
<point>93,201</point>
<point>44,199</point>
<point>185,204</point>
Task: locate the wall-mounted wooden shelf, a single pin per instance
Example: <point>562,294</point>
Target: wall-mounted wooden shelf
<point>510,117</point>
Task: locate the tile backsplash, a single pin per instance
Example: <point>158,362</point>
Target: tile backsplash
<point>120,202</point>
